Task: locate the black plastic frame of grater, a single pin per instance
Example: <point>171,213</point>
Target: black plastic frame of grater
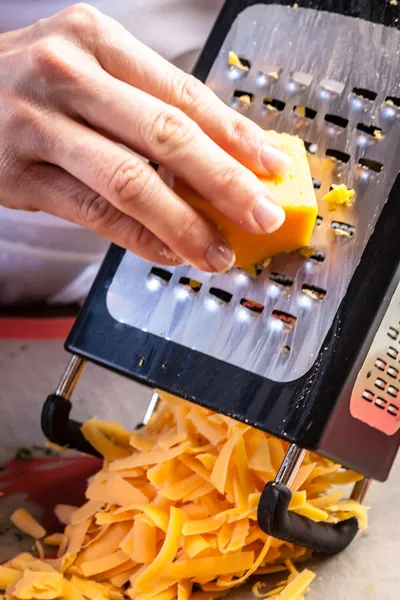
<point>312,411</point>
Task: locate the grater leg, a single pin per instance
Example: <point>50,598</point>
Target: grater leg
<point>55,421</point>
<point>155,399</point>
<point>360,489</point>
<point>275,518</point>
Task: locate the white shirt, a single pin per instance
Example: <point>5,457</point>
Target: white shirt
<point>41,257</point>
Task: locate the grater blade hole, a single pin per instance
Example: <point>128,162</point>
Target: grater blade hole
<point>299,81</point>
<point>313,291</point>
<point>368,395</point>
<point>392,391</point>
<point>316,183</point>
<point>286,318</point>
<point>330,88</point>
<point>314,254</point>
<point>192,284</point>
<point>393,333</point>
<point>318,221</point>
<point>281,279</point>
<point>162,275</point>
<point>364,93</point>
<point>286,350</point>
<point>393,410</point>
<point>392,352</point>
<point>311,147</point>
<point>343,229</point>
<point>371,130</point>
<point>252,305</point>
<point>273,105</point>
<point>268,75</point>
<point>221,295</point>
<point>380,383</point>
<point>380,403</point>
<point>393,372</point>
<point>338,155</point>
<point>305,112</point>
<point>380,364</point>
<point>369,164</point>
<point>241,100</point>
<point>393,101</point>
<point>336,121</point>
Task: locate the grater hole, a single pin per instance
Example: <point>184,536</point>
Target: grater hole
<point>273,105</point>
<point>241,99</point>
<point>393,333</point>
<point>318,221</point>
<point>311,147</point>
<point>192,284</point>
<point>286,350</point>
<point>287,319</point>
<point>371,130</point>
<point>268,75</point>
<point>316,293</point>
<point>393,372</point>
<point>364,93</point>
<point>393,101</point>
<point>305,112</point>
<point>380,403</point>
<point>314,254</point>
<point>368,395</point>
<point>221,295</point>
<point>338,155</point>
<point>162,275</point>
<point>239,62</point>
<point>281,279</point>
<point>380,383</point>
<point>393,410</point>
<point>252,305</point>
<point>392,352</point>
<point>337,121</point>
<point>380,364</point>
<point>371,165</point>
<point>392,391</point>
<point>330,88</point>
<point>299,81</point>
<point>316,183</point>
<point>343,229</point>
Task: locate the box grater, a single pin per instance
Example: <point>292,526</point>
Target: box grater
<point>318,362</point>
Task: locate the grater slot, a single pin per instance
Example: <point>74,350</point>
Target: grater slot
<point>365,94</point>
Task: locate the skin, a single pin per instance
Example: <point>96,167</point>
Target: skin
<point>78,94</point>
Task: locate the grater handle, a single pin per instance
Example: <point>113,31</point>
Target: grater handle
<point>275,519</point>
<point>60,429</point>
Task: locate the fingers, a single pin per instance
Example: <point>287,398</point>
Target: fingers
<point>56,192</point>
<point>127,59</point>
<point>135,190</point>
<point>169,137</point>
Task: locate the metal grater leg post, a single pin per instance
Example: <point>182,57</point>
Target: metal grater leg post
<point>55,421</point>
<point>275,519</point>
<point>360,489</point>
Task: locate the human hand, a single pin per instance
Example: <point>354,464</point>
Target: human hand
<point>77,94</point>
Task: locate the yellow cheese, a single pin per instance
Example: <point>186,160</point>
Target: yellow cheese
<point>8,576</point>
<point>295,193</point>
<point>22,519</point>
<point>338,195</point>
<point>39,585</point>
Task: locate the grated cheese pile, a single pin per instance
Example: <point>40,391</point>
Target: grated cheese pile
<point>172,515</point>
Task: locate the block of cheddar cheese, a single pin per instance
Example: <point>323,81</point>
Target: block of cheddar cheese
<point>294,191</point>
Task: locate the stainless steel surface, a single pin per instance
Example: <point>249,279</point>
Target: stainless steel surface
<point>70,377</point>
<point>334,65</point>
<point>376,394</point>
<point>290,465</point>
<point>360,489</point>
<point>151,408</point>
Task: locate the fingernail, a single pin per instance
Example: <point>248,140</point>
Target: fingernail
<point>269,216</point>
<point>273,159</point>
<point>220,257</point>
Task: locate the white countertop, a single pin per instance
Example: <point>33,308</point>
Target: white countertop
<point>368,570</point>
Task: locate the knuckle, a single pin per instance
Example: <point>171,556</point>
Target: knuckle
<point>229,180</point>
<point>189,91</point>
<point>186,228</point>
<point>171,133</point>
<point>131,181</point>
<point>95,212</point>
<point>79,18</point>
<point>48,60</point>
<point>238,132</point>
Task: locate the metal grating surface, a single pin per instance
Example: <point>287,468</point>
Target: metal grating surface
<point>375,399</point>
<point>344,73</point>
